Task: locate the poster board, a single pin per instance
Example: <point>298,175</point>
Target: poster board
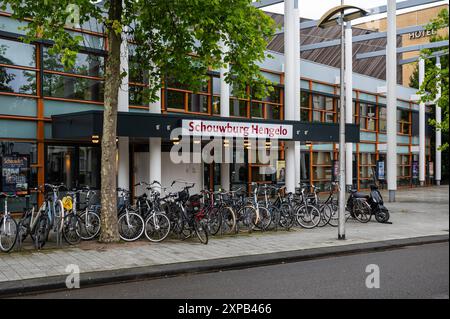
<point>281,172</point>
<point>380,171</point>
<point>15,174</point>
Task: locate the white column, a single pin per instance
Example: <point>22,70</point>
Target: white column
<point>123,174</point>
<point>155,146</point>
<point>422,161</point>
<point>224,112</point>
<point>348,101</point>
<point>292,78</point>
<point>438,163</point>
<point>391,112</point>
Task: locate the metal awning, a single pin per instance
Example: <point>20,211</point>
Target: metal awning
<point>84,125</point>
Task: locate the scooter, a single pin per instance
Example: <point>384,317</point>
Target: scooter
<point>358,209</point>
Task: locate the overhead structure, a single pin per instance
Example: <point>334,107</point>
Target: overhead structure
<point>436,54</point>
<point>339,16</point>
<point>418,47</point>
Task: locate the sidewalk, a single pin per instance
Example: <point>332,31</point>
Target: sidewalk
<point>417,213</point>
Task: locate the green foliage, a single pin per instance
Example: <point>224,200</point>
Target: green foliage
<point>433,75</point>
<point>176,38</point>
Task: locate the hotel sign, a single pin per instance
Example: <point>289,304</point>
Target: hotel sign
<point>421,34</point>
<point>236,129</point>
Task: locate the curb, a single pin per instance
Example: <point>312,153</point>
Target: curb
<point>28,286</point>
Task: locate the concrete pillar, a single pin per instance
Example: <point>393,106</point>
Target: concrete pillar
<point>391,112</point>
<point>224,112</point>
<point>123,170</point>
<point>348,101</point>
<point>292,86</point>
<point>155,146</point>
<point>422,161</point>
<point>438,164</point>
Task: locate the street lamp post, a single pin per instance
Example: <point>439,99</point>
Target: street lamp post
<point>337,15</point>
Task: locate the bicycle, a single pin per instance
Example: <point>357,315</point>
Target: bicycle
<point>130,223</point>
<point>50,216</point>
<point>89,217</point>
<point>307,214</point>
<point>186,214</point>
<point>157,224</point>
<point>8,227</point>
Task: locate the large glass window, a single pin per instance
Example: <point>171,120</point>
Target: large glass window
<point>85,64</point>
<point>72,88</point>
<point>323,108</point>
<point>74,166</point>
<point>382,120</point>
<point>305,108</point>
<point>17,53</point>
<point>403,122</point>
<point>367,116</point>
<point>17,81</point>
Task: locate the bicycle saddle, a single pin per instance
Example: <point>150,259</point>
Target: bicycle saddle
<point>357,194</point>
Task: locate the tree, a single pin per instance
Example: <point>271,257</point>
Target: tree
<point>433,75</point>
<point>180,38</point>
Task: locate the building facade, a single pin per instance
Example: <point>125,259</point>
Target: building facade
<point>34,87</point>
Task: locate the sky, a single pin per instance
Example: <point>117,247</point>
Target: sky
<point>313,9</point>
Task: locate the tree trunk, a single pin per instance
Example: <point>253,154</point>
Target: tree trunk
<point>109,229</point>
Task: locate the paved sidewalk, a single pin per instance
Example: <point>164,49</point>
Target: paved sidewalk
<point>417,213</point>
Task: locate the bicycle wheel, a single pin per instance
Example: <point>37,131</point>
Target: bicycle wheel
<point>8,234</point>
<point>286,216</point>
<point>214,221</point>
<point>90,225</point>
<point>41,230</point>
<point>264,218</point>
<point>157,227</point>
<point>71,229</point>
<point>334,215</point>
<point>201,231</point>
<point>131,226</point>
<point>249,217</point>
<point>274,217</point>
<point>228,220</point>
<point>362,212</point>
<point>325,215</point>
<point>308,216</point>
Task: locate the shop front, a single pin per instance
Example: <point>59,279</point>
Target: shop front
<point>251,150</point>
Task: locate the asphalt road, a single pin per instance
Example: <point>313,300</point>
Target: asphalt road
<point>410,272</point>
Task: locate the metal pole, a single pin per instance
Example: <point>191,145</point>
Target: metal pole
<point>349,101</point>
<point>391,107</point>
<point>438,131</point>
<point>291,55</point>
<point>224,112</point>
<point>341,231</point>
<point>421,126</point>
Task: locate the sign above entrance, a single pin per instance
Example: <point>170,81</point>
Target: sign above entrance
<point>236,129</point>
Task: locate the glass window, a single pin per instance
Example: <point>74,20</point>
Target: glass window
<point>17,81</point>
<point>175,100</point>
<point>72,88</point>
<point>89,167</point>
<point>382,119</point>
<point>136,95</point>
<point>273,112</point>
<point>322,158</point>
<point>17,53</point>
<point>304,100</point>
<point>11,148</point>
<point>257,110</point>
<point>61,165</point>
<point>198,103</point>
<point>238,107</point>
<point>319,102</point>
<point>85,64</point>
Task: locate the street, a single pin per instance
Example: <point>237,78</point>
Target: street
<point>411,272</point>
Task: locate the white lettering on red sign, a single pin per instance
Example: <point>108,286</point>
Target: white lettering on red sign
<point>236,129</point>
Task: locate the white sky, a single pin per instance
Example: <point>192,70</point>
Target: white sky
<point>313,9</point>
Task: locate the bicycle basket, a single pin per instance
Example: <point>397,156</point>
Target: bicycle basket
<point>183,196</point>
<point>67,203</point>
